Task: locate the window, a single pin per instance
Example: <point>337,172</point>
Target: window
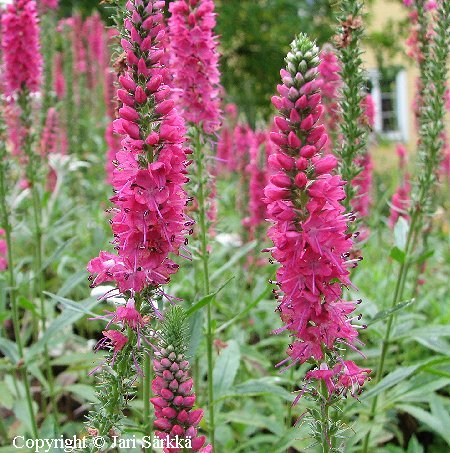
<point>390,94</point>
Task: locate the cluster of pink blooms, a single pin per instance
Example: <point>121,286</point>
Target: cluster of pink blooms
<point>194,62</point>
<point>20,46</point>
<point>309,229</point>
<point>48,4</point>
<point>329,81</point>
<point>257,172</point>
<point>363,182</point>
<point>3,252</point>
<point>174,400</point>
<point>49,138</point>
<point>58,76</point>
<point>149,221</point>
<point>401,199</point>
<point>111,138</point>
<point>225,145</point>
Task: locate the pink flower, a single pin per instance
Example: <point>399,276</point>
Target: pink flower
<point>257,172</point>
<point>368,106</point>
<point>20,46</point>
<point>329,81</point>
<point>49,139</point>
<point>113,146</point>
<point>324,374</point>
<point>3,252</point>
<point>128,316</point>
<point>194,61</point>
<point>309,225</point>
<point>112,339</point>
<point>352,377</point>
<point>174,400</point>
<point>400,201</point>
<point>149,221</point>
<point>95,35</point>
<point>49,4</point>
<point>117,339</point>
<point>362,201</point>
<point>226,145</point>
<point>59,80</point>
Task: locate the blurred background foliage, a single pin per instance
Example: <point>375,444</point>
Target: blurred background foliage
<point>254,37</point>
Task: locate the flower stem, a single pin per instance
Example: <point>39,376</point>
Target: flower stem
<point>398,294</point>
<point>325,419</point>
<point>201,179</point>
<point>32,176</point>
<point>289,411</point>
<point>147,385</point>
<point>12,288</point>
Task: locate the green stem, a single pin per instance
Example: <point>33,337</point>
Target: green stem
<point>398,294</point>
<point>289,411</point>
<point>32,175</point>
<point>325,419</point>
<point>201,175</point>
<point>147,384</point>
<point>12,294</point>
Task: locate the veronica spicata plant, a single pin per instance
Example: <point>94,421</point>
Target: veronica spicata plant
<point>149,221</point>
<point>194,62</point>
<point>353,131</point>
<point>311,244</point>
<point>433,64</point>
<point>176,419</point>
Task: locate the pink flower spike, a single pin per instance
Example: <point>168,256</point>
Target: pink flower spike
<point>20,46</point>
<point>194,61</point>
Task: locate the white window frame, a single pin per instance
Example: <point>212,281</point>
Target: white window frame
<point>401,109</point>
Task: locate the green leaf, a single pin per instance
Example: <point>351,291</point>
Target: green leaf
<point>225,369</point>
<point>86,392</point>
<point>7,397</point>
<point>390,380</point>
<point>9,349</point>
<point>438,420</point>
<point>260,386</point>
<point>246,310</point>
<point>22,413</point>
<point>26,304</point>
<point>205,300</point>
<point>257,420</point>
<point>57,254</point>
<point>422,257</point>
<point>427,332</point>
<point>388,312</point>
<point>4,315</point>
<point>70,315</point>
<point>403,373</point>
<point>195,332</point>
<point>71,304</point>
<point>243,251</point>
<point>200,304</point>
<point>414,446</point>
<point>397,254</point>
<point>72,282</point>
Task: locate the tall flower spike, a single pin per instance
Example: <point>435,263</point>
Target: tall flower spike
<point>353,131</point>
<point>194,61</point>
<point>49,4</point>
<point>149,221</point>
<point>309,228</point>
<point>330,83</point>
<point>20,46</point>
<point>173,388</point>
<point>257,171</point>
